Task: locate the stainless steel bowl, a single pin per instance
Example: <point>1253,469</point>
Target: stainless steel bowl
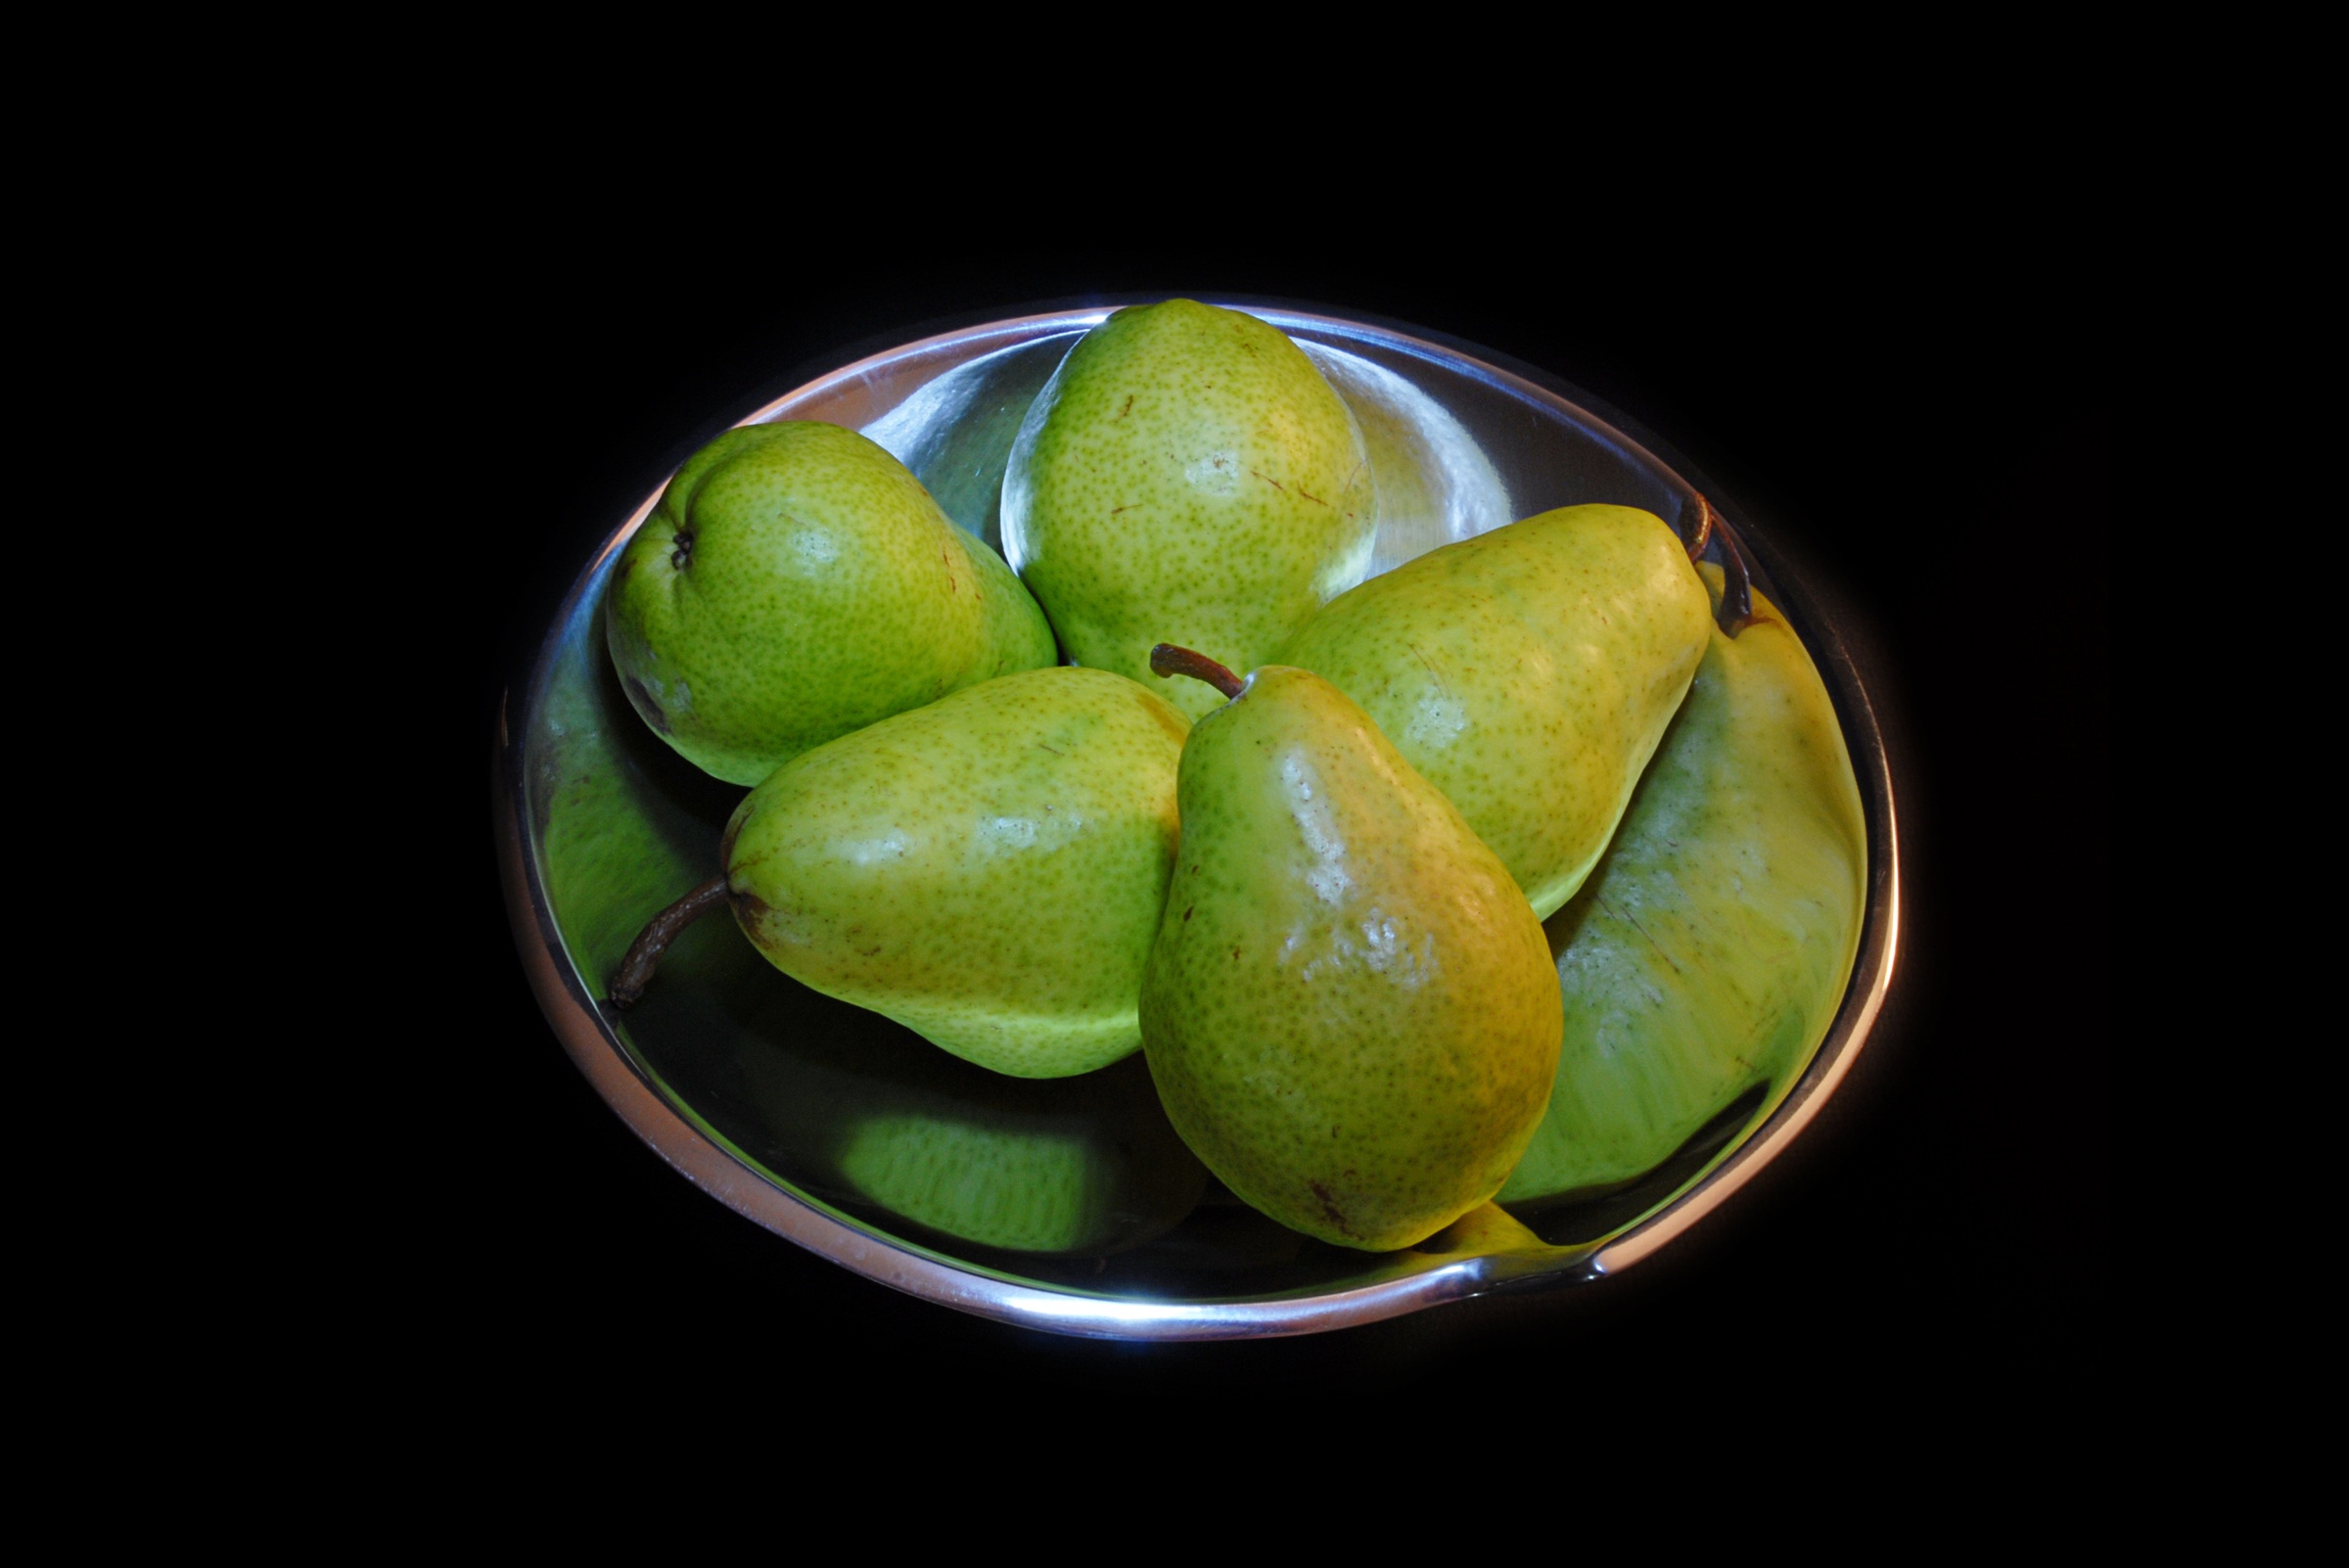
<point>767,1095</point>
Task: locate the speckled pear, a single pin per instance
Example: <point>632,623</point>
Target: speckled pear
<point>1528,672</point>
<point>1708,954</point>
<point>1186,476</point>
<point>987,870</point>
<point>797,583</point>
<point>1349,1010</point>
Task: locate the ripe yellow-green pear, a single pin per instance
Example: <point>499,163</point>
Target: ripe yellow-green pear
<point>1527,673</point>
<point>1349,1010</point>
<point>987,870</point>
<point>1709,950</point>
<point>1186,476</point>
<point>797,583</point>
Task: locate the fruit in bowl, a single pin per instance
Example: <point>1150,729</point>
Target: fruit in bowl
<point>795,584</point>
<point>1187,476</point>
<point>1349,1010</point>
<point>1415,640</point>
<point>988,870</point>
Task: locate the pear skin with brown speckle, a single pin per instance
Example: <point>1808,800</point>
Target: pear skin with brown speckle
<point>1349,1010</point>
<point>1529,673</point>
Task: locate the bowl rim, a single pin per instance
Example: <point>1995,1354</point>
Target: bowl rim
<point>1413,1281</point>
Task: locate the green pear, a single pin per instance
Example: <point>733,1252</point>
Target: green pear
<point>1710,951</point>
<point>796,584</point>
<point>1350,1011</point>
<point>855,1111</point>
<point>1528,672</point>
<point>1186,476</point>
<point>987,870</point>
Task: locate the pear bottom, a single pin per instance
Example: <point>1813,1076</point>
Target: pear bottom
<point>1408,1149</point>
<point>1020,1046</point>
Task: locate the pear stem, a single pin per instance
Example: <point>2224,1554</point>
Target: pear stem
<point>1704,529</point>
<point>644,953</point>
<point>1168,660</point>
<point>1737,582</point>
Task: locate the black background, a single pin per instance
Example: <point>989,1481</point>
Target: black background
<point>1914,413</point>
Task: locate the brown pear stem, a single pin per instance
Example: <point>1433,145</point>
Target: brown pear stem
<point>1168,660</point>
<point>1704,529</point>
<point>644,953</point>
<point>1737,582</point>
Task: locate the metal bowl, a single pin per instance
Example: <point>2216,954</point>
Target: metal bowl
<point>1069,1205</point>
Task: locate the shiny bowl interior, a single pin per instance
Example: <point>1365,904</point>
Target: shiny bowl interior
<point>1069,1205</point>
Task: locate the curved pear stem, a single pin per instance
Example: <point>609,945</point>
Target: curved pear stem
<point>1704,529</point>
<point>644,953</point>
<point>1168,660</point>
<point>1737,580</point>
